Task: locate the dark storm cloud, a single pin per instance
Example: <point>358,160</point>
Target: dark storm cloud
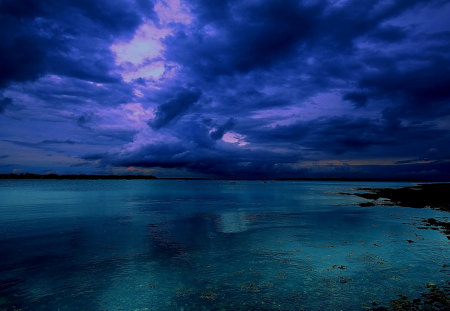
<point>5,102</point>
<point>234,163</point>
<point>293,81</point>
<point>246,36</point>
<point>44,144</point>
<point>64,37</point>
<point>67,92</point>
<point>174,107</point>
<point>357,98</point>
<point>421,91</point>
<point>56,141</point>
<point>263,55</point>
<point>271,43</point>
<point>355,137</point>
<point>258,36</point>
<point>197,152</point>
<point>346,135</point>
<point>213,162</point>
<point>389,34</point>
<point>84,119</point>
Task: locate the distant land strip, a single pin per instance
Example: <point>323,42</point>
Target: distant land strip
<point>73,176</point>
<point>148,177</point>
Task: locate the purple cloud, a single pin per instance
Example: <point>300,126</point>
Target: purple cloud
<point>226,88</point>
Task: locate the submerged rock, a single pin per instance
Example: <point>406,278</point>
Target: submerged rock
<point>442,226</point>
<point>366,204</point>
<point>343,279</point>
<point>434,299</point>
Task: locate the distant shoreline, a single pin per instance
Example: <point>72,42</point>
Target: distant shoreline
<point>150,177</point>
<point>75,176</point>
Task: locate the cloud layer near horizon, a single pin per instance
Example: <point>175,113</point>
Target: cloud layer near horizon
<point>251,89</point>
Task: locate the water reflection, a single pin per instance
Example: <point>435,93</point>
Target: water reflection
<point>171,246</point>
<point>232,222</point>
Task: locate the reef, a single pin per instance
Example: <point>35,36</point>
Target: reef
<point>434,299</point>
<point>433,195</point>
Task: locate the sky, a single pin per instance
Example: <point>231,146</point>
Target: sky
<point>226,88</point>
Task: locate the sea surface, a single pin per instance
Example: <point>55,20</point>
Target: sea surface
<point>210,245</point>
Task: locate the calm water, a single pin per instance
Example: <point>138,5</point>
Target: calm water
<point>209,245</point>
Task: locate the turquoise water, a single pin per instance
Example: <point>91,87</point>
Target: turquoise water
<point>209,245</point>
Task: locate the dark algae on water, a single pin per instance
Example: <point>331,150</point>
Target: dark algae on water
<point>435,196</point>
<point>434,299</point>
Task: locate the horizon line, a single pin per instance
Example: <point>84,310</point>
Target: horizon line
<point>151,177</point>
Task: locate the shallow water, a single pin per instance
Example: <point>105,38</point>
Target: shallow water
<point>209,245</point>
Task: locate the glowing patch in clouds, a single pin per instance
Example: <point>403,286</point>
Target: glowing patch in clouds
<point>141,57</point>
<point>234,138</point>
<point>146,44</point>
<point>135,57</point>
<point>131,116</point>
<point>172,11</point>
<point>151,71</point>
